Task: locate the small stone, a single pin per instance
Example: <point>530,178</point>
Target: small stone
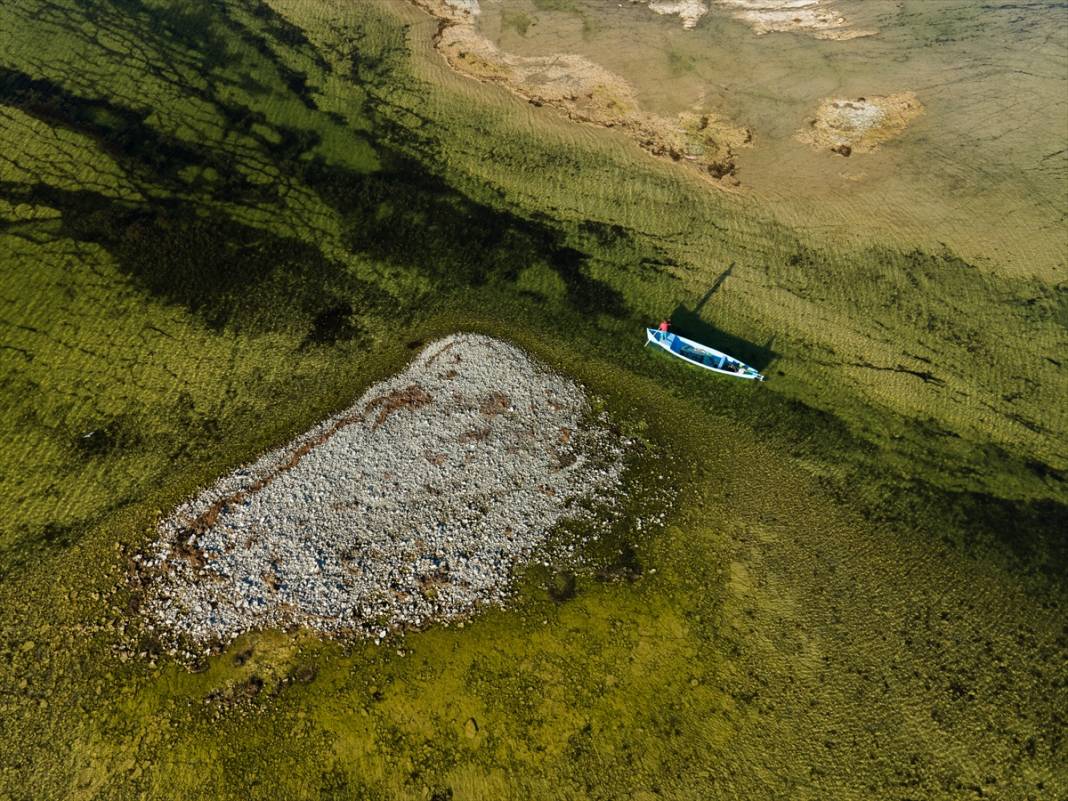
<point>471,728</point>
<point>350,529</point>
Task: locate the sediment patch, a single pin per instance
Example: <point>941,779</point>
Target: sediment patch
<point>414,505</point>
<point>814,17</point>
<point>862,124</point>
<point>586,92</point>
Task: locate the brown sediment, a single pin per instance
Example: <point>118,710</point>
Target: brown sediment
<point>859,126</point>
<point>495,404</point>
<point>411,397</point>
<point>441,352</point>
<point>474,435</point>
<point>586,92</point>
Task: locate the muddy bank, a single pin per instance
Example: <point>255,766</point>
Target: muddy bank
<point>586,92</point>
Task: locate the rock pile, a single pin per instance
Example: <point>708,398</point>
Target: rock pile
<point>414,505</point>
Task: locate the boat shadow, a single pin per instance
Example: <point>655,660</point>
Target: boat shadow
<point>687,323</point>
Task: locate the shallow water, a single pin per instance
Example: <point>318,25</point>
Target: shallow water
<point>983,170</point>
<point>220,223</point>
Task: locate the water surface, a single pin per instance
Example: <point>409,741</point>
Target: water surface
<point>984,170</point>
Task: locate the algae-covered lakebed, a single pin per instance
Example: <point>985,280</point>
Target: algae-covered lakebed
<point>222,223</point>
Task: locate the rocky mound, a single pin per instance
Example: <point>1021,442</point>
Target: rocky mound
<point>860,125</point>
<point>414,505</point>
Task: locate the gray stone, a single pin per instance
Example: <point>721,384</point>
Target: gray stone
<point>417,503</point>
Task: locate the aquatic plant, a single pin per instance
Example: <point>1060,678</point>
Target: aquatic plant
<point>221,222</point>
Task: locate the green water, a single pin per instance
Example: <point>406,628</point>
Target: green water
<point>219,222</point>
<point>983,170</point>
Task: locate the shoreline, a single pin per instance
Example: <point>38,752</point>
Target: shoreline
<point>587,93</point>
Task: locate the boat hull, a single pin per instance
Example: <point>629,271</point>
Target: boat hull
<point>702,356</point>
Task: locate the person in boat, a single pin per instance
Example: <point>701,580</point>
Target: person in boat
<point>664,326</point>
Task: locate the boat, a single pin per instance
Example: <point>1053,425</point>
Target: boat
<point>701,355</point>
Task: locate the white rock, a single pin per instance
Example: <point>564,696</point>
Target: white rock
<point>348,525</point>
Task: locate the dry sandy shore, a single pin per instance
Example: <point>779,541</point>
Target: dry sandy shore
<point>414,505</point>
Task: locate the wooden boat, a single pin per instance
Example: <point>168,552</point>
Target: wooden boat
<point>701,355</point>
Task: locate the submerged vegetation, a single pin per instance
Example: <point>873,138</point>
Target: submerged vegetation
<point>221,221</point>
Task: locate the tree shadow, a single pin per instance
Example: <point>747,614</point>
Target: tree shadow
<point>229,272</point>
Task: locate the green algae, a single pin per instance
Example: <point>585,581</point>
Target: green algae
<point>262,209</point>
